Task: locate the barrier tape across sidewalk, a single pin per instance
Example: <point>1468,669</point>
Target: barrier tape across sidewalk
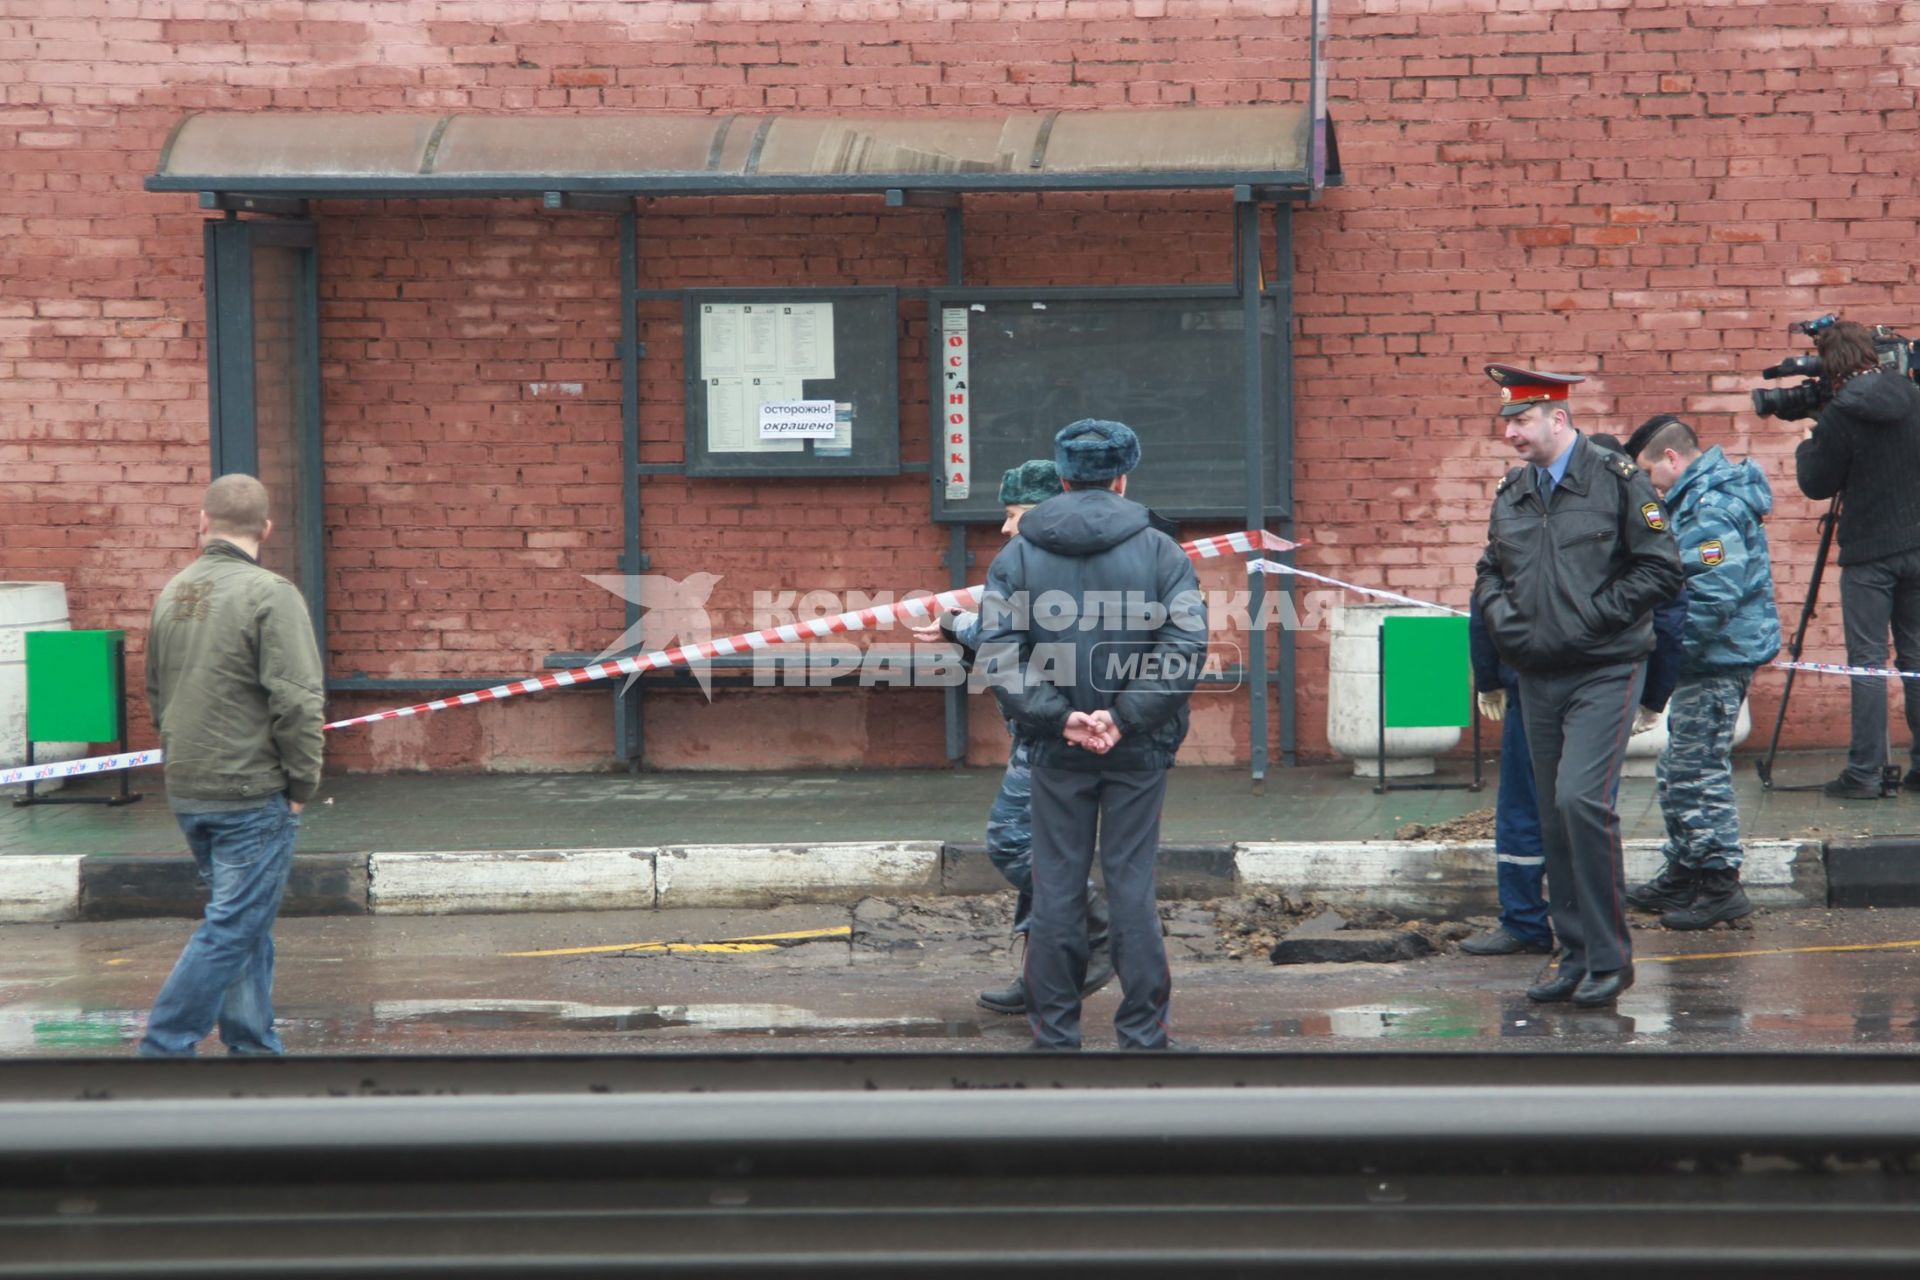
<point>1274,566</point>
<point>1229,544</point>
<point>1841,669</point>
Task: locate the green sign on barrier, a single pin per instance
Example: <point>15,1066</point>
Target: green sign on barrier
<point>1426,673</point>
<point>73,686</point>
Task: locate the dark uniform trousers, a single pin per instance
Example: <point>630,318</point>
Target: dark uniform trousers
<point>1577,727</point>
<point>1072,808</point>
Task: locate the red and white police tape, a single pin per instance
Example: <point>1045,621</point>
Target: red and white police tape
<point>1841,669</point>
<point>791,633</point>
<point>1274,566</point>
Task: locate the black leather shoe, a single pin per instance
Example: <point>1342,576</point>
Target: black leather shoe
<point>1498,942</point>
<point>1845,788</point>
<point>1011,998</point>
<point>1603,988</point>
<point>1557,989</point>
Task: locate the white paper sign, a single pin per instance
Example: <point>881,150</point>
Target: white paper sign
<point>796,420</point>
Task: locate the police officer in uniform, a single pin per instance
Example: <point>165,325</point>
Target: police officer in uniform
<point>1093,628</point>
<point>1578,554</point>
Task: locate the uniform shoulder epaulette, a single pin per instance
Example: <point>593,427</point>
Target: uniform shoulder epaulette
<point>1506,481</point>
<point>1622,466</point>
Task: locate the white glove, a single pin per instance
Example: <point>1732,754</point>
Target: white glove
<point>1644,719</point>
<point>1493,704</point>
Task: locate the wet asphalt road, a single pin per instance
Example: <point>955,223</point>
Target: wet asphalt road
<point>892,976</point>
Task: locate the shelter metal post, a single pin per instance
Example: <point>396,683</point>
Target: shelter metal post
<point>1283,477</point>
<point>1247,225</point>
<point>628,725</point>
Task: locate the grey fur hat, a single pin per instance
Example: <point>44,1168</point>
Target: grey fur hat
<point>1092,450</point>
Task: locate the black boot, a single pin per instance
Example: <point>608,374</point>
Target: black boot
<point>1720,898</point>
<point>1099,944</point>
<point>1011,998</point>
<point>1672,890</point>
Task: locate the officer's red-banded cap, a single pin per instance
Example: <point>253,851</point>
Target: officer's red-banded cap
<point>1522,388</point>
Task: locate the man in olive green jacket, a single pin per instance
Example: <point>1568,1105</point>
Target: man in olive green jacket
<point>235,686</point>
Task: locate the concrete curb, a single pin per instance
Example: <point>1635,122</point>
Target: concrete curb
<point>745,875</point>
<point>1455,880</point>
<point>1874,871</point>
<point>37,888</point>
<point>147,886</point>
<point>504,880</point>
<point>1412,877</point>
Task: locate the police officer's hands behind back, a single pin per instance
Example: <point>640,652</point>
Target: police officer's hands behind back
<point>1092,731</point>
<point>1493,704</point>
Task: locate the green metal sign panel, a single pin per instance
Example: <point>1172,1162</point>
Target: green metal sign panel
<point>1426,673</point>
<point>73,685</point>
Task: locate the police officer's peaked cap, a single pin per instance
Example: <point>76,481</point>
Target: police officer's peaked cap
<point>1092,450</point>
<point>1034,480</point>
<point>1520,389</point>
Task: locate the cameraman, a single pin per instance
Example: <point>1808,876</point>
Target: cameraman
<point>1866,444</point>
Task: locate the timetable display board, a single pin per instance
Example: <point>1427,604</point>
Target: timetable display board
<point>1009,373</point>
<point>793,382</point>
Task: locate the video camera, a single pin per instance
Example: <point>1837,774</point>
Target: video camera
<point>1804,399</point>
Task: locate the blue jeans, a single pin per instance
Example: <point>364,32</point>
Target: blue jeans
<point>225,975</point>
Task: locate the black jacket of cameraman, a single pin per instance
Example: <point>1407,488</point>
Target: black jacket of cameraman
<point>1572,582</point>
<point>1867,443</point>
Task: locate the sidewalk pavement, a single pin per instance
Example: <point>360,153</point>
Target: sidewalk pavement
<point>430,844</point>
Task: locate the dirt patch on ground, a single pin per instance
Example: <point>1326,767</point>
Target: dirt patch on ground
<point>1245,927</point>
<point>1251,924</point>
<point>979,926</point>
<point>1468,828</point>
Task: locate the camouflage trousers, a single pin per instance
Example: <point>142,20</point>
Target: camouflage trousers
<point>1695,776</point>
<point>1010,832</point>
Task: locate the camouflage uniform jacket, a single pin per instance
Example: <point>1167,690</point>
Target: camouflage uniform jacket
<point>1717,507</point>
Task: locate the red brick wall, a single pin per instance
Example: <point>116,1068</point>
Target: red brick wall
<point>1645,195</point>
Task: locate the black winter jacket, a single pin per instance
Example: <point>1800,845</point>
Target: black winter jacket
<point>1572,582</point>
<point>1124,630</point>
<point>1663,664</point>
<point>1867,442</point>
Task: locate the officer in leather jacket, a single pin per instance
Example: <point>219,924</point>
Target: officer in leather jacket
<point>1578,554</point>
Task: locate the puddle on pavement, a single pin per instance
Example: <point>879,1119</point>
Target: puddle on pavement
<point>50,1032</point>
<point>710,1019</point>
<point>403,1025</point>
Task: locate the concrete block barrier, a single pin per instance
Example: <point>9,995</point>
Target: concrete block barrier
<point>735,875</point>
<point>146,886</point>
<point>504,880</point>
<point>39,888</point>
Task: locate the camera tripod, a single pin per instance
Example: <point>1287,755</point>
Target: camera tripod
<point>1889,773</point>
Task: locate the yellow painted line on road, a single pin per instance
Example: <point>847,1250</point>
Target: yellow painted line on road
<point>1783,951</point>
<point>726,946</point>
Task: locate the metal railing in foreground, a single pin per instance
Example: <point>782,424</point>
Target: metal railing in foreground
<point>964,1165</point>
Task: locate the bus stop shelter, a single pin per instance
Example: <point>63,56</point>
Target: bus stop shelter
<point>264,175</point>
